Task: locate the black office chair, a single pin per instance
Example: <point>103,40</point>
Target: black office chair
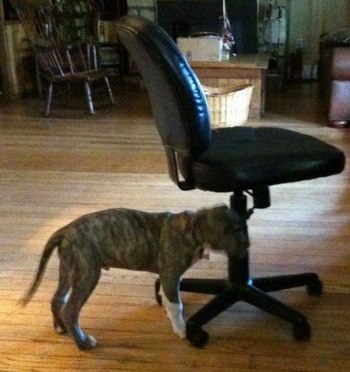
<point>241,160</point>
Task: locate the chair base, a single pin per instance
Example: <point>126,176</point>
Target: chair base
<point>254,291</point>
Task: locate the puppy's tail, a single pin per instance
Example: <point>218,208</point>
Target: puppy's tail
<point>50,246</point>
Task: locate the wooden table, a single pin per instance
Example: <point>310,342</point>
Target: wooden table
<point>243,69</point>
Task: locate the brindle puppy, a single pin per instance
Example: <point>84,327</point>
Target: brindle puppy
<point>163,243</point>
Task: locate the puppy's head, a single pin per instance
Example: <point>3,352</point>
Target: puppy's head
<point>222,229</point>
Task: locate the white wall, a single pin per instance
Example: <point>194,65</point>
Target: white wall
<point>311,18</point>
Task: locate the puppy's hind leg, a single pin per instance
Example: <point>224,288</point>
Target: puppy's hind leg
<point>81,289</point>
<point>171,300</point>
<point>59,299</point>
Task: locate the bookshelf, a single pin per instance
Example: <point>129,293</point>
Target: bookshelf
<point>113,55</point>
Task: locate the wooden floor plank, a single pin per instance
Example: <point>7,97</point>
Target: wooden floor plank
<point>54,169</point>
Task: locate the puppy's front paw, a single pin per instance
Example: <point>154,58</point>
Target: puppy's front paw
<point>180,330</point>
<point>60,330</point>
<point>174,312</point>
<point>87,344</point>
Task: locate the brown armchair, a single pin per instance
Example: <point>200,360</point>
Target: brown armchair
<point>64,37</point>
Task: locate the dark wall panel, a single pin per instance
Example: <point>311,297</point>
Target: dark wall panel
<point>182,17</point>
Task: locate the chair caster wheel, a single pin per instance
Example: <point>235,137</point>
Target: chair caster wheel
<point>315,288</point>
<point>196,336</point>
<point>158,296</point>
<point>302,331</point>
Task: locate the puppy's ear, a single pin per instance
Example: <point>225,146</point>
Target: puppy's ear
<point>198,224</point>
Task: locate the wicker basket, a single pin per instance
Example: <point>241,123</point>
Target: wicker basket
<point>229,106</point>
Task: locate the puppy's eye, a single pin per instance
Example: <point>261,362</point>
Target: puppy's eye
<point>232,229</point>
<point>237,228</point>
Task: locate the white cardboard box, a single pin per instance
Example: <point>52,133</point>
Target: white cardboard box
<point>200,48</point>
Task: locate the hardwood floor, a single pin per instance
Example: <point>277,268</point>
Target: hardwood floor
<point>53,170</point>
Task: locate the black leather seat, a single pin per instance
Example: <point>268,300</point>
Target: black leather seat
<point>242,160</point>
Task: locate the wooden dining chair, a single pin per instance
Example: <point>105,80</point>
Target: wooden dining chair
<point>64,38</point>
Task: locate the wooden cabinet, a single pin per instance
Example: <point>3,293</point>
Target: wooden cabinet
<point>2,50</point>
<point>16,61</point>
<point>4,84</point>
<point>20,66</point>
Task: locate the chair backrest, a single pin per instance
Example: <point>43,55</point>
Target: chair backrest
<point>64,34</point>
<point>178,103</point>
